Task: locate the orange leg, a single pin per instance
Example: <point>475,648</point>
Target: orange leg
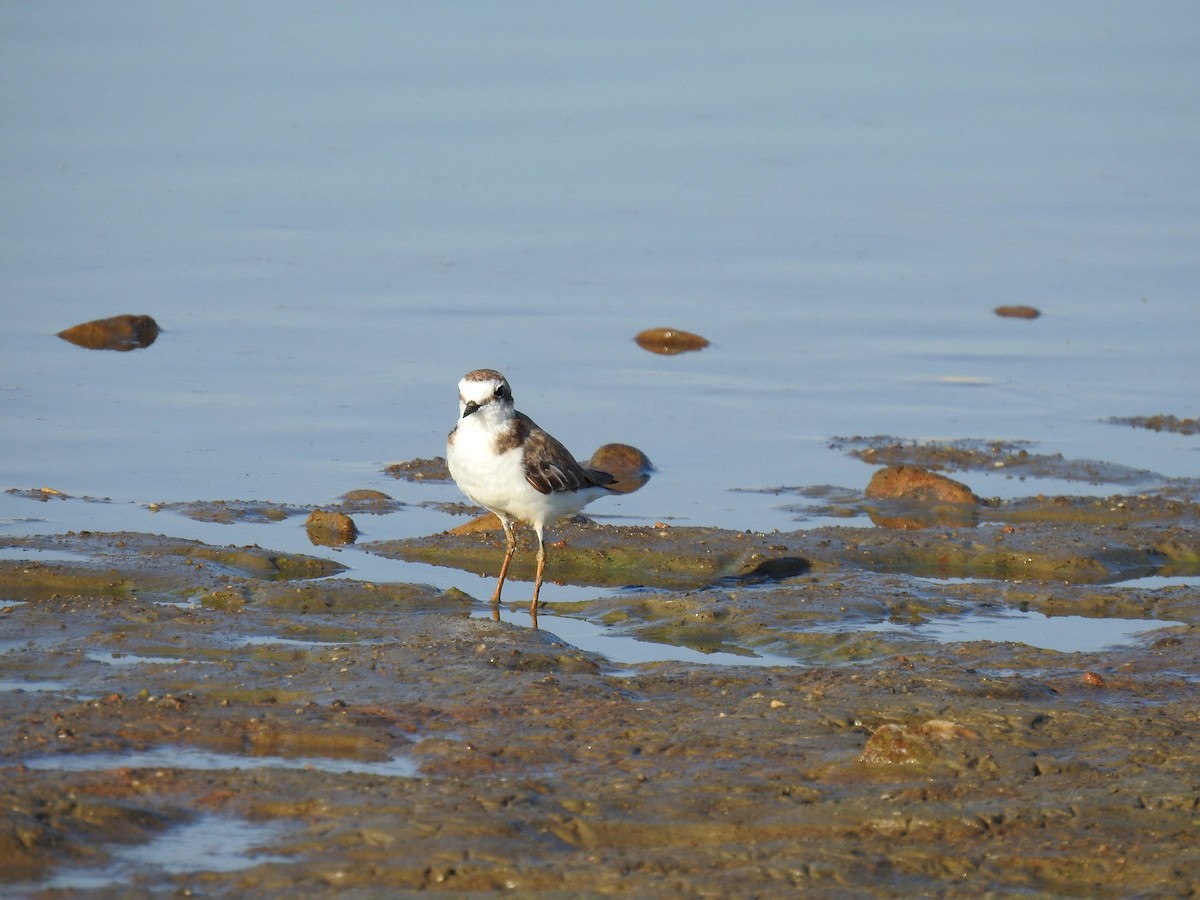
<point>509,550</point>
<point>537,581</point>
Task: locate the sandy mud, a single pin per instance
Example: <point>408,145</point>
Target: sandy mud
<point>230,721</point>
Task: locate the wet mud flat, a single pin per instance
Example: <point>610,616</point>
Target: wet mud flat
<point>380,739</point>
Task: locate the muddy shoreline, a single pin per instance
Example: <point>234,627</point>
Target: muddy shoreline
<point>380,738</point>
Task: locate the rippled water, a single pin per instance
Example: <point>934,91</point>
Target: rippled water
<point>335,212</point>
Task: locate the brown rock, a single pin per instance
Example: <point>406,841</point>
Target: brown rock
<point>123,333</point>
<point>487,522</point>
<point>916,498</point>
<point>913,483</point>
<point>330,529</point>
<point>629,465</point>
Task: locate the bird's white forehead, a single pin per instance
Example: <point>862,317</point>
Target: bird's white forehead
<point>480,385</point>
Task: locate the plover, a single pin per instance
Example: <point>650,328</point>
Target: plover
<point>507,464</point>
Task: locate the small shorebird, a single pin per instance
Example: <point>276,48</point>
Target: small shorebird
<point>506,463</point>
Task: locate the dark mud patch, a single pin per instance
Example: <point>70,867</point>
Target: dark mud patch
<point>46,494</point>
<point>433,469</point>
<point>1160,422</point>
<point>42,494</point>
<point>1010,457</point>
<point>907,492</point>
<point>226,512</point>
<point>379,738</point>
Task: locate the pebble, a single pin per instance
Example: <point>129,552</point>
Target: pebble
<point>1017,312</point>
<point>669,341</point>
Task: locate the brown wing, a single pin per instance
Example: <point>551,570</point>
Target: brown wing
<point>550,467</point>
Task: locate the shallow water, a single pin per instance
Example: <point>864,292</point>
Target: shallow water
<point>335,213</point>
<point>112,658</point>
<point>630,651</point>
<point>1066,634</point>
<point>210,843</point>
<point>173,757</point>
<point>13,684</point>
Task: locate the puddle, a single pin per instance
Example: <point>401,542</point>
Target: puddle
<point>626,650</point>
<point>270,640</point>
<point>174,757</point>
<point>36,554</point>
<point>1064,634</point>
<point>11,685</point>
<point>131,659</point>
<point>34,645</point>
<point>208,844</point>
<point>1154,582</point>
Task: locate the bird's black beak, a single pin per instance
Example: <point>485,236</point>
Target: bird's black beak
<point>469,408</point>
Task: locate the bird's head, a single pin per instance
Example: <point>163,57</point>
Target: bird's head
<point>484,388</point>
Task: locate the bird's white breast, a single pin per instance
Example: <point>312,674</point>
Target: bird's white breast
<point>497,481</point>
<point>490,479</point>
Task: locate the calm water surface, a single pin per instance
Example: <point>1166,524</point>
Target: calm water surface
<point>334,212</point>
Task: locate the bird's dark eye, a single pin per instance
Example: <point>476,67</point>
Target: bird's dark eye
<point>501,392</point>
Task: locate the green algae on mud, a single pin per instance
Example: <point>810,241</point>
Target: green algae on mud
<point>679,558</point>
<point>1161,422</point>
<point>585,553</point>
<point>1011,457</point>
